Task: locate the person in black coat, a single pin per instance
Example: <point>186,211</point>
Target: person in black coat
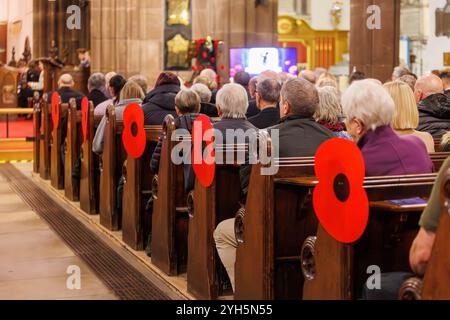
<point>267,98</point>
<point>434,106</point>
<point>96,87</point>
<point>66,91</point>
<point>205,94</point>
<point>160,102</point>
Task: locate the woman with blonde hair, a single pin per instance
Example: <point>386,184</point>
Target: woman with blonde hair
<point>406,118</point>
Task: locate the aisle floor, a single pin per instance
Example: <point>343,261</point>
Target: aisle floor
<point>34,261</point>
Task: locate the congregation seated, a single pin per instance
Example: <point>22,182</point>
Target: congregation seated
<point>100,110</point>
<point>187,105</point>
<point>211,78</point>
<point>410,80</point>
<point>252,107</point>
<point>141,81</point>
<point>131,93</point>
<point>116,85</point>
<point>327,79</point>
<point>308,75</point>
<point>406,114</point>
<point>329,111</point>
<point>160,102</point>
<point>434,106</point>
<point>445,77</point>
<point>421,248</point>
<point>370,111</point>
<point>205,95</point>
<point>399,72</point>
<point>96,88</point>
<point>299,136</point>
<point>267,98</point>
<point>66,91</point>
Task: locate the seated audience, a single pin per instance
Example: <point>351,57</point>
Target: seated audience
<point>370,111</point>
<point>434,106</point>
<point>160,102</point>
<point>421,248</point>
<point>243,78</point>
<point>115,86</point>
<point>131,93</point>
<point>406,118</point>
<point>267,98</point>
<point>211,75</point>
<point>141,81</point>
<point>252,107</point>
<point>300,136</point>
<point>66,91</point>
<point>410,80</point>
<point>34,81</point>
<point>327,80</point>
<point>399,72</point>
<point>308,75</point>
<point>187,105</point>
<point>96,87</point>
<point>205,95</point>
<point>108,78</point>
<point>356,76</point>
<point>329,112</point>
<point>445,77</point>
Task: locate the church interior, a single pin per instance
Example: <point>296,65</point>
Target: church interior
<point>349,98</point>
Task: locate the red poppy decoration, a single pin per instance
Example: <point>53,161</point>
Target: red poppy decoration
<point>133,137</point>
<point>85,117</point>
<point>202,133</point>
<point>56,109</point>
<point>340,201</point>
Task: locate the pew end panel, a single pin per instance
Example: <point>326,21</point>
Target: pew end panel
<point>57,169</point>
<point>73,146</point>
<point>46,129</point>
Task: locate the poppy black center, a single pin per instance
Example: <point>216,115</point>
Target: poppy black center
<point>341,187</point>
<point>134,129</point>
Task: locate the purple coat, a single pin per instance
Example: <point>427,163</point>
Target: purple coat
<point>388,154</point>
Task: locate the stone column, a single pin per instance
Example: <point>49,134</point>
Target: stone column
<point>127,37</point>
<point>375,51</point>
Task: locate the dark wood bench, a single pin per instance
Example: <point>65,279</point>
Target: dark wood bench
<point>438,159</point>
<point>73,143</point>
<point>136,225</point>
<point>435,285</point>
<point>57,168</point>
<point>209,207</point>
<point>36,105</point>
<point>89,179</point>
<point>46,128</point>
<point>170,219</point>
<point>338,271</point>
<point>273,221</point>
<point>111,164</point>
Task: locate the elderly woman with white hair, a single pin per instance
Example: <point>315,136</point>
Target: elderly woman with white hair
<point>329,111</point>
<point>205,95</point>
<point>370,111</point>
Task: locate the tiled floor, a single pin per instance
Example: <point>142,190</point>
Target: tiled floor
<point>34,260</point>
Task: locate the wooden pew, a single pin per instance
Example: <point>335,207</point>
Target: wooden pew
<point>57,169</point>
<point>136,225</point>
<point>170,219</point>
<point>73,146</point>
<point>437,145</point>
<point>111,164</point>
<point>36,105</point>
<point>46,129</point>
<point>208,208</point>
<point>336,271</point>
<point>89,179</point>
<point>438,159</point>
<point>275,219</point>
<point>436,283</point>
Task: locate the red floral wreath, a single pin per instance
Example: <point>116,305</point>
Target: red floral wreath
<point>56,109</point>
<point>340,201</point>
<point>85,117</point>
<point>133,137</point>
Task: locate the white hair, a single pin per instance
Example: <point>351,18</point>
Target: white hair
<point>232,99</point>
<point>210,74</point>
<point>370,103</point>
<point>203,91</point>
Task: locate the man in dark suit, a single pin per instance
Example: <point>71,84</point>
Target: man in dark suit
<point>267,98</point>
<point>96,87</point>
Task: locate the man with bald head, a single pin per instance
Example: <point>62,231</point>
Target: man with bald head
<point>434,106</point>
<point>66,91</point>
<point>308,75</point>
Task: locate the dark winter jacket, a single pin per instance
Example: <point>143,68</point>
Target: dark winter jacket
<point>159,103</point>
<point>434,112</point>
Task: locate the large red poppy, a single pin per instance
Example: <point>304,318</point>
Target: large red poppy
<point>205,169</point>
<point>133,137</point>
<point>85,117</point>
<point>340,201</point>
<point>56,109</point>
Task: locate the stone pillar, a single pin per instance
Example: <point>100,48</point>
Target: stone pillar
<point>127,37</point>
<point>375,51</point>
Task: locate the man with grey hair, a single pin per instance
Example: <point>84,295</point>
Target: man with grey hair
<point>205,95</point>
<point>267,98</point>
<point>141,81</point>
<point>96,87</point>
<point>399,72</point>
<point>308,75</point>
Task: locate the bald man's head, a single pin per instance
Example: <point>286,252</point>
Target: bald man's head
<point>308,75</point>
<point>428,85</point>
